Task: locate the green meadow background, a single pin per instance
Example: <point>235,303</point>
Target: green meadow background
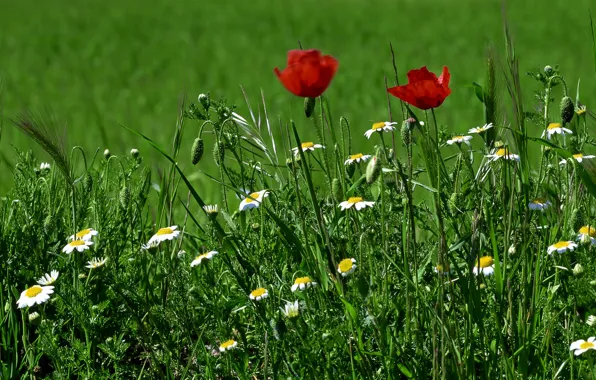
<point>98,64</point>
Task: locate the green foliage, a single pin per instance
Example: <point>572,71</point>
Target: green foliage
<point>444,271</point>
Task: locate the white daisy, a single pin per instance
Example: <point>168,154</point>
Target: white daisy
<point>539,204</point>
<point>562,246</point>
<point>587,234</point>
<point>459,139</point>
<point>556,128</point>
<point>346,267</point>
<point>383,126</point>
<point>259,294</point>
<point>581,346</point>
<point>211,210</point>
<point>357,202</point>
<point>580,110</point>
<point>253,200</point>
<point>292,309</point>
<point>579,157</point>
<point>79,245</point>
<point>307,146</point>
<point>357,158</point>
<point>96,263</point>
<point>48,279</point>
<point>163,234</point>
<point>44,166</point>
<point>503,153</point>
<point>86,234</point>
<point>228,345</point>
<point>205,256</point>
<point>482,129</point>
<point>302,283</point>
<point>486,266</point>
<point>35,295</point>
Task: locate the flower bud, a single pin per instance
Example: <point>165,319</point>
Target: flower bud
<point>88,183</point>
<point>373,170</point>
<point>134,153</point>
<point>309,106</point>
<point>337,190</point>
<point>549,71</point>
<point>205,102</point>
<point>107,154</point>
<point>577,269</point>
<point>255,226</point>
<point>567,109</point>
<point>591,321</point>
<point>124,197</point>
<point>512,249</point>
<point>197,150</point>
<point>218,153</point>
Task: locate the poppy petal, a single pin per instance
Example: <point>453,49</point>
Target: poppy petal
<point>420,74</point>
<point>445,77</point>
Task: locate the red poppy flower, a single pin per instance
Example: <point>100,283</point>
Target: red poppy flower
<point>308,73</point>
<point>424,90</point>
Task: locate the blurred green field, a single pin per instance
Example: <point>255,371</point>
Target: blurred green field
<point>96,64</point>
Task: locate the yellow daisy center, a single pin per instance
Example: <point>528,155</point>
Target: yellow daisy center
<point>552,126</point>
<point>302,280</point>
<point>586,345</point>
<point>356,156</point>
<point>377,126</point>
<point>253,196</point>
<point>258,292</point>
<point>441,269</point>
<point>579,155</point>
<point>33,291</point>
<point>587,230</point>
<point>539,201</point>
<point>77,243</point>
<point>82,233</point>
<point>581,111</point>
<point>501,152</point>
<point>307,145</point>
<point>485,262</point>
<point>561,244</point>
<point>202,256</point>
<point>353,200</point>
<point>345,265</point>
<point>457,138</point>
<point>227,344</point>
<point>480,129</point>
<point>165,231</point>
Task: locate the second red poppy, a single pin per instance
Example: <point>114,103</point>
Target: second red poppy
<point>308,72</point>
<point>424,90</point>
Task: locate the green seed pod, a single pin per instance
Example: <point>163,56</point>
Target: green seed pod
<point>567,109</point>
<point>219,152</point>
<point>309,106</point>
<point>124,197</point>
<point>577,219</point>
<point>88,183</point>
<point>197,150</point>
<point>337,190</point>
<point>373,170</point>
<point>49,224</point>
<point>255,226</point>
<point>350,169</point>
<point>406,132</point>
